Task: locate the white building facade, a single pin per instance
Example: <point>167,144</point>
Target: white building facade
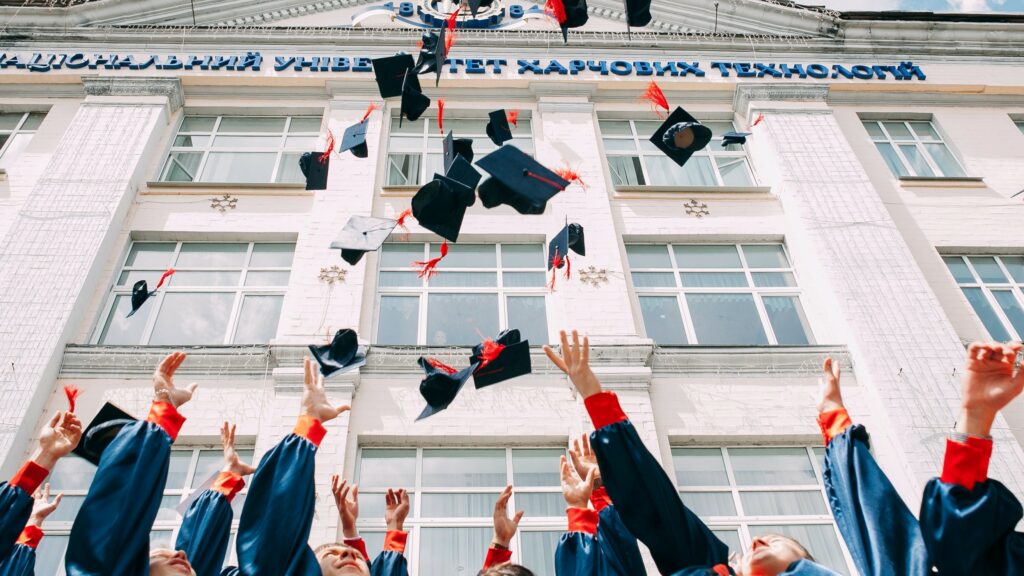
<point>871,216</point>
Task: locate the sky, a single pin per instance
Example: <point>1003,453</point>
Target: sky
<point>923,5</point>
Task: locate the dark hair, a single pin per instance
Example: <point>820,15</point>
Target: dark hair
<point>507,570</point>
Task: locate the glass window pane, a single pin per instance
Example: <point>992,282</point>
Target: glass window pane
<point>187,141</point>
<point>771,466</point>
<point>197,124</point>
<point>538,551</point>
<point>10,120</point>
<point>726,319</point>
<point>536,467</point>
<point>898,131</point>
<point>66,512</point>
<point>646,256</point>
<point>258,319</point>
<point>765,256</point>
<point>925,130</point>
<point>464,468</point>
<point>400,255</point>
<point>208,466</point>
<point>33,121</point>
<point>918,165</point>
<point>988,270</point>
<point>251,124</point>
<point>193,318</point>
<point>408,144</point>
<point>1015,265</point>
<point>160,539</point>
<point>709,503</point>
<point>239,167</point>
<point>305,124</point>
<point>458,505</point>
<point>234,142</point>
<point>621,148</point>
<point>186,278</point>
<point>50,553</point>
<point>529,315</point>
<point>615,128</point>
<point>713,279</point>
<point>267,278</point>
<point>17,143</point>
<point>203,255</point>
<point>663,322</point>
<point>464,279</point>
<point>467,256</point>
<point>734,171</point>
<point>522,256</point>
<point>696,172</point>
<point>130,277</point>
<point>71,474</point>
<point>819,539</point>
<point>1012,308</point>
<point>524,279</point>
<point>548,504</point>
<point>774,279</point>
<point>654,279</point>
<point>788,320</point>
<point>987,315</point>
<point>303,143</point>
<point>150,255</point>
<point>959,269</point>
<point>707,256</point>
<point>699,467</point>
<point>459,319</point>
<point>177,472</point>
<point>453,550</point>
<point>403,169</point>
<point>398,320</point>
<point>783,503</point>
<point>892,159</point>
<point>626,171</point>
<point>182,167</point>
<point>387,468</point>
<point>944,159</point>
<point>372,507</point>
<point>730,538</point>
<point>400,280</point>
<point>288,171</point>
<point>119,329</point>
<point>407,126</point>
<point>873,130</point>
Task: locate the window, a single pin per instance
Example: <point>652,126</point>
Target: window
<point>452,492</point>
<point>479,289</point>
<point>635,161</point>
<point>741,493</point>
<point>16,131</point>
<point>1020,125</point>
<point>189,469</point>
<point>415,153</point>
<point>913,148</point>
<point>243,149</point>
<point>222,293</point>
<point>993,284</point>
<point>744,295</point>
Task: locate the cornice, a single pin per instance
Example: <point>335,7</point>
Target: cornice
<point>787,92</point>
<point>131,86</point>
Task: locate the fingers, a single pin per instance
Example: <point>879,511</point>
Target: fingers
<point>576,447</point>
<point>518,517</point>
<point>54,420</point>
<point>587,451</point>
<point>586,350</point>
<point>165,365</point>
<point>342,409</point>
<point>46,492</point>
<point>575,344</point>
<point>231,435</point>
<point>502,503</point>
<point>555,359</point>
<point>309,379</point>
<point>405,496</point>
<point>567,478</point>
<point>591,478</point>
<point>56,501</point>
<point>355,493</point>
<point>575,459</point>
<point>566,351</point>
<point>389,498</point>
<point>191,389</point>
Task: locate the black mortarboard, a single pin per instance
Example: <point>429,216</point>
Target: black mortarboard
<point>354,139</point>
<point>518,180</point>
<point>498,129</point>
<point>362,234</point>
<point>575,16</point>
<point>638,12</point>
<point>475,5</point>
<point>462,172</point>
<point>433,53</point>
<point>440,206</point>
<point>734,138</point>
<point>569,238</point>
<point>680,136</point>
<point>390,74</point>
<point>440,387</point>
<point>102,431</point>
<point>141,293</point>
<point>314,166</point>
<point>341,355</point>
<point>509,357</point>
<point>452,146</point>
<point>414,102</point>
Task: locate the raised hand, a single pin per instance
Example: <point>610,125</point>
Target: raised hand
<point>990,383</point>
<point>314,397</point>
<point>163,382</point>
<point>58,438</point>
<point>505,527</point>
<point>42,506</point>
<point>575,489</point>
<point>232,463</point>
<point>830,397</point>
<point>576,364</point>
<point>396,509</point>
<point>584,460</point>
<point>346,498</point>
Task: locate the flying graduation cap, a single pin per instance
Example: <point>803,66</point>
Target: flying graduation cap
<point>314,166</point>
<point>414,102</point>
<point>476,5</point>
<point>433,54</point>
<point>453,147</point>
<point>101,432</point>
<point>501,359</point>
<point>568,238</point>
<point>498,129</point>
<point>354,138</point>
<point>638,13</point>
<point>141,293</point>
<point>568,13</point>
<point>390,74</point>
<point>680,136</point>
<point>518,180</point>
<point>440,205</point>
<point>343,354</point>
<point>738,138</point>
<point>441,384</point>
<point>362,234</point>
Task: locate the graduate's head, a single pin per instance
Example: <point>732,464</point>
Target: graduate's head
<point>164,562</point>
<point>341,560</point>
<point>772,554</point>
<point>506,569</point>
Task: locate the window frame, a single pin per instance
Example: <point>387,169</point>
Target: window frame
<point>918,143</point>
<point>1012,286</point>
<point>19,129</point>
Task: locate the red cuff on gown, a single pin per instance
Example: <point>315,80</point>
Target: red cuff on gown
<point>394,541</point>
<point>31,536</point>
<point>966,463</point>
<point>166,416</point>
<point>600,499</point>
<point>604,409</point>
<point>358,544</point>
<point>311,429</point>
<point>29,477</point>
<point>582,520</point>
<point>496,556</point>
<point>228,483</point>
<point>833,423</point>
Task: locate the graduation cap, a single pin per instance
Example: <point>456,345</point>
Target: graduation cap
<point>498,129</point>
<point>102,431</point>
<point>476,5</point>
<point>314,166</point>
<point>638,12</point>
<point>441,385</point>
<point>440,206</point>
<point>518,180</point>
<point>433,54</point>
<point>462,172</point>
<point>341,355</point>
<point>362,234</point>
<point>414,102</point>
<point>501,359</point>
<point>354,139</point>
<point>390,74</point>
<point>734,138</point>
<point>453,147</point>
<point>569,238</point>
<point>680,136</point>
<point>141,293</point>
<point>568,13</point>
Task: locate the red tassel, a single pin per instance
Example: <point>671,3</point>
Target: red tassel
<point>441,366</point>
<point>369,110</point>
<point>760,118</point>
<point>449,39</point>
<point>491,350</point>
<point>401,218</point>
<point>656,97</point>
<point>513,117</point>
<point>556,9</point>
<point>571,175</point>
<point>164,277</point>
<point>440,115</point>
<point>72,392</point>
<point>428,268</point>
<point>556,263</point>
<point>549,181</point>
<point>568,267</point>
<point>330,147</point>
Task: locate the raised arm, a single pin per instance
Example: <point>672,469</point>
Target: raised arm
<point>578,553</point>
<point>643,493</point>
<point>505,528</point>
<point>22,560</point>
<point>391,561</point>
<point>880,531</point>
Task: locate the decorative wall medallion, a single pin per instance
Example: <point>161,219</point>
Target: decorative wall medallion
<point>333,275</point>
<point>224,202</point>
<point>698,209</point>
<point>593,276</point>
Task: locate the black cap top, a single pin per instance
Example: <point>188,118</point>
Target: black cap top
<point>734,138</point>
<point>518,180</point>
<point>440,206</point>
<point>475,5</point>
<point>341,355</point>
<point>680,136</point>
<point>414,102</point>
<point>362,234</point>
<point>638,12</point>
<point>569,238</point>
<point>314,166</point>
<point>390,74</point>
<point>462,172</point>
<point>576,16</point>
<point>102,431</point>
<point>456,146</point>
<point>433,53</point>
<point>354,139</point>
<point>498,129</point>
<point>440,387</point>
<point>502,359</point>
<point>140,293</point>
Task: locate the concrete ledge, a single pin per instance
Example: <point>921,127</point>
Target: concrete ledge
<point>206,188</point>
<point>763,360</point>
<point>932,182</point>
<point>633,192</point>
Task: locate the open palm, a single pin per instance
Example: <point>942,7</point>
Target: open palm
<point>991,381</point>
<point>314,397</point>
<point>163,381</point>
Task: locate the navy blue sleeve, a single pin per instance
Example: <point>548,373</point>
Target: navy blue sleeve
<point>808,568</point>
<point>619,549</point>
<point>577,554</point>
<point>20,562</point>
<point>389,563</point>
<point>205,533</point>
<point>880,531</point>
<point>15,508</point>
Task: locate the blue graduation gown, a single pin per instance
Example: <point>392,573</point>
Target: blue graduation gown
<point>16,504</point>
<point>205,533</point>
<point>22,559</point>
<point>612,551</point>
<point>389,563</point>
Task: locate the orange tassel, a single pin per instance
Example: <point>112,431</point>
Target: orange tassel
<point>428,268</point>
<point>570,175</point>
<point>760,118</point>
<point>513,117</point>
<point>72,392</point>
<point>330,147</point>
<point>441,366</point>
<point>491,350</point>
<point>164,277</point>
<point>556,9</point>
<point>369,110</point>
<point>440,115</point>
<point>656,97</point>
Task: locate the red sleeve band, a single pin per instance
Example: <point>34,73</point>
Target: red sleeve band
<point>496,556</point>
<point>358,544</point>
<point>582,520</point>
<point>600,499</point>
<point>311,429</point>
<point>966,464</point>
<point>604,409</point>
<point>394,541</point>
<point>833,423</point>
<point>166,416</point>
<point>228,483</point>
<point>29,477</point>
<point>31,536</point>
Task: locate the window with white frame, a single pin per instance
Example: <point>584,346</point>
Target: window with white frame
<point>1020,125</point>
<point>415,152</point>
<point>993,285</point>
<point>479,290</point>
<point>189,468</point>
<point>241,149</point>
<point>634,160</point>
<point>742,493</point>
<point>452,492</point>
<point>16,131</point>
<point>221,293</point>
<point>718,294</point>
<point>913,148</point>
